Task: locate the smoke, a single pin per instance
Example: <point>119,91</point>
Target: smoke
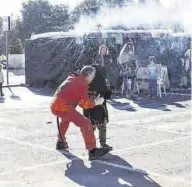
<point>150,15</point>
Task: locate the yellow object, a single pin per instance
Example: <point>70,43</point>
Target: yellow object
<point>2,58</point>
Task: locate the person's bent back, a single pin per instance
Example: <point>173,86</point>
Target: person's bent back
<point>74,91</point>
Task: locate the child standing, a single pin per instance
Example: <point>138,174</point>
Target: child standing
<point>152,72</point>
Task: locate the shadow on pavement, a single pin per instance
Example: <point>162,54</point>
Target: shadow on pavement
<point>121,106</point>
<point>144,102</point>
<point>43,91</point>
<point>162,103</point>
<point>2,100</point>
<point>179,105</point>
<point>13,96</point>
<point>17,71</point>
<point>101,175</point>
<point>152,103</point>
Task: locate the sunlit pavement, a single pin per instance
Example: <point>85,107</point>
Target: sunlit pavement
<point>151,140</point>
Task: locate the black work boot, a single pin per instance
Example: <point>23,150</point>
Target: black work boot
<point>107,147</point>
<point>97,153</point>
<point>62,146</point>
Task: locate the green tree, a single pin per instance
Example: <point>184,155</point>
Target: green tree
<point>15,46</point>
<point>59,19</point>
<point>91,7</point>
<point>86,8</point>
<point>2,48</point>
<point>1,24</point>
<point>40,16</point>
<point>14,42</point>
<point>114,3</point>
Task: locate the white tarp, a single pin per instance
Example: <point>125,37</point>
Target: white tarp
<point>16,60</point>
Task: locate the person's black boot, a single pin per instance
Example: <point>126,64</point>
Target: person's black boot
<point>97,153</point>
<point>62,146</point>
<point>107,147</point>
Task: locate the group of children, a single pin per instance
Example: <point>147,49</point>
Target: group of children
<point>129,77</point>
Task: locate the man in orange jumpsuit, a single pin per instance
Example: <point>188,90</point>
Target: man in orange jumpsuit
<point>74,91</point>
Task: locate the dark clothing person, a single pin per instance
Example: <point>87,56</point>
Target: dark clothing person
<point>99,114</point>
<point>1,90</point>
<point>132,75</point>
<point>152,87</point>
<point>99,118</point>
<point>153,75</point>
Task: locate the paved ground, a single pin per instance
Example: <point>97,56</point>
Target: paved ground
<point>16,76</point>
<point>151,140</point>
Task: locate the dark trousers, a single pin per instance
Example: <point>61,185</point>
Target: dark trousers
<point>153,87</point>
<point>102,128</point>
<point>99,119</point>
<point>132,79</point>
<point>1,90</point>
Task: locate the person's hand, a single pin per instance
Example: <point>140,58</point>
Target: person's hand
<point>99,100</point>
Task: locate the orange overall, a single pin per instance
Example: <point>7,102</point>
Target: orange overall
<point>71,92</point>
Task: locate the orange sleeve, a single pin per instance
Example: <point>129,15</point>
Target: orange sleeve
<point>86,101</point>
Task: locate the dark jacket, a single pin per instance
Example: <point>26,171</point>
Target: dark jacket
<point>99,85</point>
<point>99,114</point>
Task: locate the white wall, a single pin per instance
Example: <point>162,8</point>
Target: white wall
<point>16,60</point>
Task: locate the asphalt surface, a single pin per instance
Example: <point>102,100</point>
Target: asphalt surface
<point>151,140</point>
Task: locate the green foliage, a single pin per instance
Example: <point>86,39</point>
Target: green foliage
<point>91,7</point>
<point>16,46</point>
<point>86,8</point>
<point>40,16</point>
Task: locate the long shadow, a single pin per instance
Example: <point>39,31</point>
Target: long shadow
<point>43,91</point>
<point>121,106</point>
<point>162,103</point>
<point>141,101</point>
<point>13,96</point>
<point>156,104</point>
<point>2,100</point>
<point>152,103</point>
<point>103,175</point>
<point>179,105</point>
<point>17,71</point>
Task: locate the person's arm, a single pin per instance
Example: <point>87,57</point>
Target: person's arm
<point>148,72</point>
<point>86,101</point>
<point>157,73</point>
